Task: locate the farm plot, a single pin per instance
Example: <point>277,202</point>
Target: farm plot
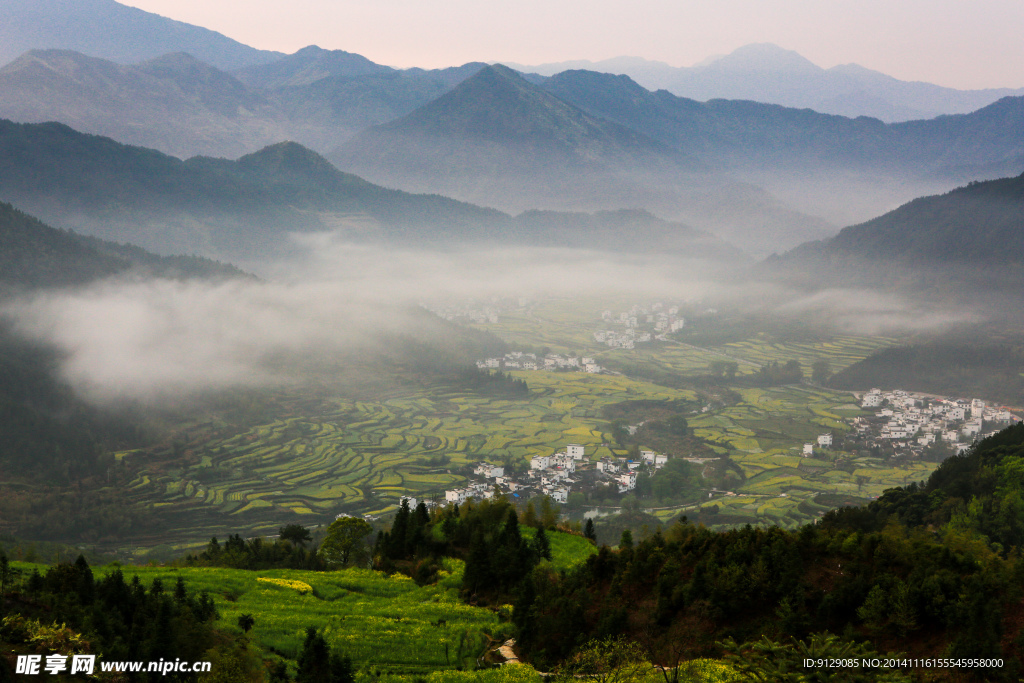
<point>380,621</point>
<point>840,351</point>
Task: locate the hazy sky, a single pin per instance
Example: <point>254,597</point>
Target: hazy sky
<point>950,42</point>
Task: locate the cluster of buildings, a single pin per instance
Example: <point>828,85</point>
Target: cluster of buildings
<point>640,324</point>
<point>907,420</point>
<point>555,476</point>
<point>517,360</point>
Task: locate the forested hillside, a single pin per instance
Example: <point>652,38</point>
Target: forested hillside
<point>929,570</point>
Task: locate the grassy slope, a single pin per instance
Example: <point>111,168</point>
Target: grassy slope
<point>384,622</point>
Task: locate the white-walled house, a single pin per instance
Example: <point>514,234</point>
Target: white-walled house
<point>457,496</point>
<point>872,399</point>
<point>559,494</point>
<point>825,440</point>
<point>575,451</point>
<point>488,471</point>
<point>540,462</point>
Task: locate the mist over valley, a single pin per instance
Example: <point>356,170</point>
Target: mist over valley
<point>601,365</point>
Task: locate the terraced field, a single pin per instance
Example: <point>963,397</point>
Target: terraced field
<point>362,456</point>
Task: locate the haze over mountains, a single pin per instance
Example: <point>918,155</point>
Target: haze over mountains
<point>964,246</point>
<point>764,176</point>
<point>980,224</point>
<point>479,143</point>
<point>246,209</point>
<point>768,73</point>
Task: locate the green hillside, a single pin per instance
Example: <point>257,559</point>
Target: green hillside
<point>927,570</point>
<point>965,245</point>
<point>982,223</point>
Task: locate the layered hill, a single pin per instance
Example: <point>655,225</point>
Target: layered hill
<point>980,224</point>
<point>762,175</point>
<point>204,205</point>
<point>770,74</point>
<point>746,133</point>
<point>308,65</point>
<point>330,95</point>
<point>246,209</point>
<point>965,246</point>
<point>497,133</point>
<point>184,106</point>
<point>34,255</point>
<point>841,169</point>
<point>174,103</point>
<point>110,30</point>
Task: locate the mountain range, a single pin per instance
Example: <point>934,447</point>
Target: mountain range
<point>767,73</point>
<point>760,72</point>
<point>481,142</point>
<point>184,106</point>
<point>246,209</point>
<point>496,136</point>
<point>762,175</point>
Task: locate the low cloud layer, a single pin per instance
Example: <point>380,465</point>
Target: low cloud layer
<point>152,339</point>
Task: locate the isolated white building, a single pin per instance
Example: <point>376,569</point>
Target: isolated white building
<point>825,440</point>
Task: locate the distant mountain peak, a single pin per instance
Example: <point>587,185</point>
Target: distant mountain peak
<point>766,57</point>
<point>309,65</point>
<point>499,105</point>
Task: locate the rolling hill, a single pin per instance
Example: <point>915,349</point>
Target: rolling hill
<point>750,134</point>
<point>980,224</point>
<point>183,106</point>
<point>963,247</point>
<point>245,209</point>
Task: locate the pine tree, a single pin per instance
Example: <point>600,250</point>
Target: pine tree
<point>541,545</point>
<point>315,659</point>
